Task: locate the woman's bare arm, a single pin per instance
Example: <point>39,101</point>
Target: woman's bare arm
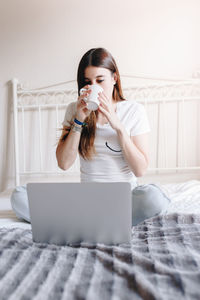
<point>67,149</point>
<point>135,150</point>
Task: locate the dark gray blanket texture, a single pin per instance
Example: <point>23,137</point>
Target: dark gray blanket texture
<point>162,262</point>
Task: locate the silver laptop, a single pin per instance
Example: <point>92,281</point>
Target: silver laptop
<point>72,212</point>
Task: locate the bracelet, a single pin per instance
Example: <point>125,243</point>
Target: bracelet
<point>76,128</point>
<point>79,123</point>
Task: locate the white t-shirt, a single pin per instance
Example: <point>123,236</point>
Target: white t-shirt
<point>109,164</point>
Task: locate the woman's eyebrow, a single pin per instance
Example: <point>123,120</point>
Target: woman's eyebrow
<point>96,76</point>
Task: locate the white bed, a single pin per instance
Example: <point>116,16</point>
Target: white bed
<point>163,259</point>
<point>170,105</point>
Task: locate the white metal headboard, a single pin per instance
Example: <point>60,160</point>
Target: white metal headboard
<point>162,99</point>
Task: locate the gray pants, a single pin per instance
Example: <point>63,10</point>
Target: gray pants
<point>148,200</point>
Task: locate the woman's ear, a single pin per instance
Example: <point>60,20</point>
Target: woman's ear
<point>114,78</point>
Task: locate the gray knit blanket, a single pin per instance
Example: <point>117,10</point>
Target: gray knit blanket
<point>162,262</point>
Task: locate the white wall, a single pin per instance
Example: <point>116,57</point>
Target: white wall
<point>41,42</point>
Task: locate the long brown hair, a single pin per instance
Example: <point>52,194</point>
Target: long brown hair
<point>97,57</point>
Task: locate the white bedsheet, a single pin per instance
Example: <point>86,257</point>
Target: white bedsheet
<point>185,198</point>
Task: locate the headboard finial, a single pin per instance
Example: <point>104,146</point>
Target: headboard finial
<point>15,81</point>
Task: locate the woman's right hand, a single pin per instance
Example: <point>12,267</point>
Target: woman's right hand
<point>81,108</point>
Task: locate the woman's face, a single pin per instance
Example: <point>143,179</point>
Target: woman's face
<point>101,76</point>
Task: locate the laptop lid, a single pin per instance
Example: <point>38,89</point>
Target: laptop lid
<point>96,212</point>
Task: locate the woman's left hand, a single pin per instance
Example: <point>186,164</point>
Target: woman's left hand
<point>107,109</point>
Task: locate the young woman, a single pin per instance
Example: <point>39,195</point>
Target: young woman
<point>112,142</point>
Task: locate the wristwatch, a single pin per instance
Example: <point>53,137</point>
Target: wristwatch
<point>74,127</point>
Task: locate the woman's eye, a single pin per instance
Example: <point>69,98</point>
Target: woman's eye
<point>88,82</point>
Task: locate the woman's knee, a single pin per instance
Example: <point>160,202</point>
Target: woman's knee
<point>148,200</point>
<point>19,202</point>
